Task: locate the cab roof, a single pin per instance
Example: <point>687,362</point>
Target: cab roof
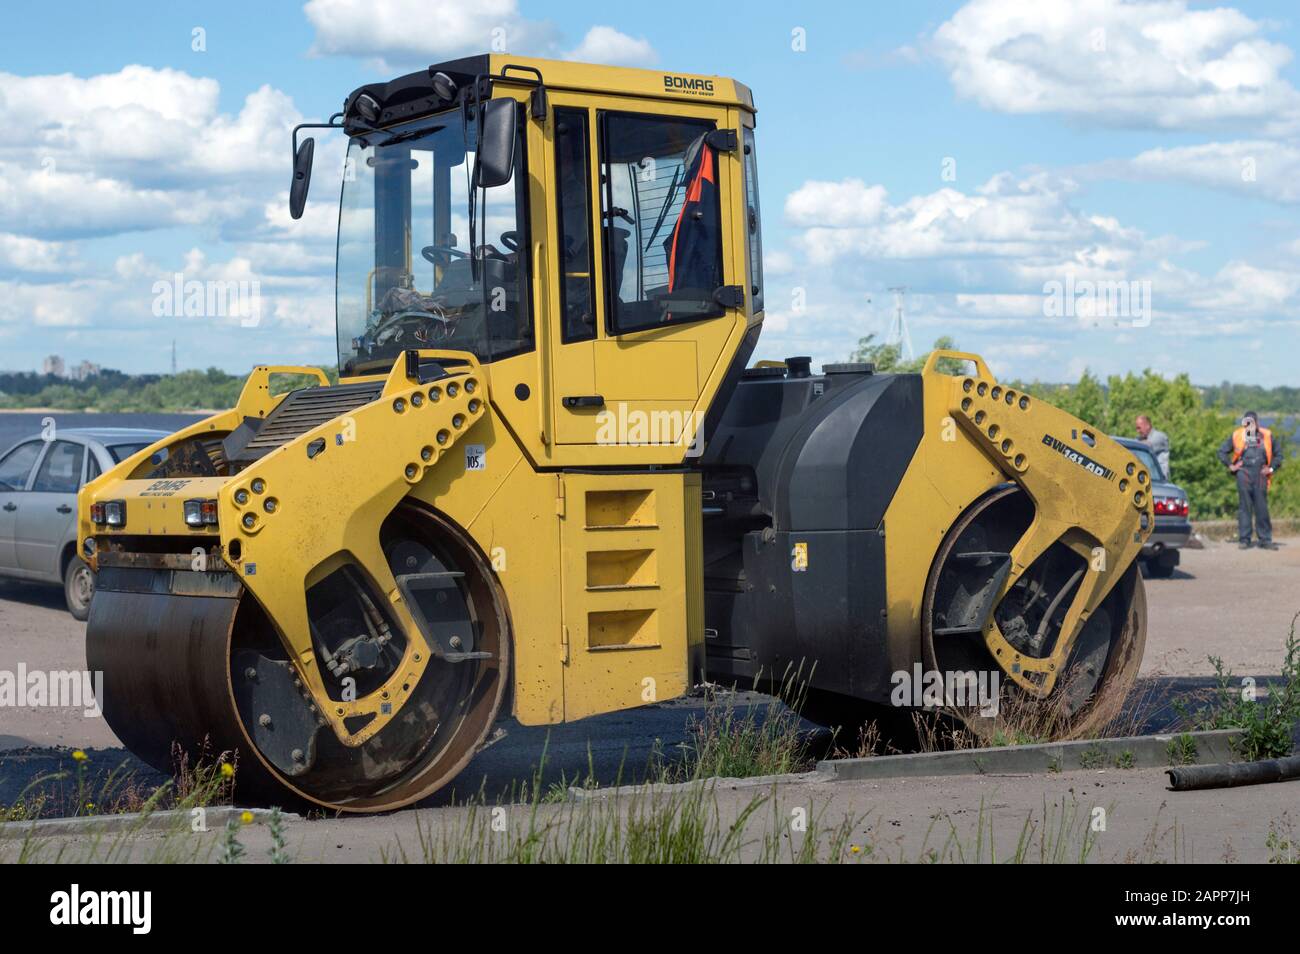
<point>412,95</point>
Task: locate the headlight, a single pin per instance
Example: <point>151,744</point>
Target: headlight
<point>201,513</point>
<point>110,513</point>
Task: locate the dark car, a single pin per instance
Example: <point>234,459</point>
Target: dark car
<point>1173,528</point>
<point>39,480</point>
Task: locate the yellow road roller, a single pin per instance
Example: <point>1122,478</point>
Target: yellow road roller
<point>547,483</point>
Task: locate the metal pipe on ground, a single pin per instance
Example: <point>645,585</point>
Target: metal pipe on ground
<point>1188,778</point>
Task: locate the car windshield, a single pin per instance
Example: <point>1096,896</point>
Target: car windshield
<point>1146,460</point>
<point>120,452</point>
<point>406,276</point>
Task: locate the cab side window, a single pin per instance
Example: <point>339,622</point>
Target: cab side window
<point>662,220</point>
<point>60,471</point>
<point>17,465</point>
<point>753,222</point>
<point>573,198</point>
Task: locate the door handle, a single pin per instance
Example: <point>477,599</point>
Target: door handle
<point>63,508</point>
<point>583,400</point>
<point>11,507</point>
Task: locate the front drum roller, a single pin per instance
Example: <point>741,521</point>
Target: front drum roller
<point>191,664</point>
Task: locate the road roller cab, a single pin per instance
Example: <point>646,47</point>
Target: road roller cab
<point>544,483</point>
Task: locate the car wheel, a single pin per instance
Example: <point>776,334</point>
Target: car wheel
<point>78,588</point>
<point>1158,569</point>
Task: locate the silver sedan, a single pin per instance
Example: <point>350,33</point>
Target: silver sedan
<point>39,480</point>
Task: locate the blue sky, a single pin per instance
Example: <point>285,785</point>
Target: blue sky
<point>976,153</point>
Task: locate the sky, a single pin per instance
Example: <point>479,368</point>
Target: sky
<point>1058,185</point>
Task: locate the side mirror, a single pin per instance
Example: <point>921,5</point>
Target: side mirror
<point>496,152</point>
<point>301,177</point>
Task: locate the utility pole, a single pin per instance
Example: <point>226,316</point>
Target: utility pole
<point>898,333</point>
<point>173,357</point>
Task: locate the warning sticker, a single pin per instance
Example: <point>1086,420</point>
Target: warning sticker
<point>799,557</point>
<point>475,457</point>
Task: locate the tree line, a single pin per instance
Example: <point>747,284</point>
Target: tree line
<point>115,392</point>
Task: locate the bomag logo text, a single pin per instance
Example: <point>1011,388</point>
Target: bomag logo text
<point>688,84</point>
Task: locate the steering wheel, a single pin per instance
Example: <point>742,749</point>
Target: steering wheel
<point>390,322</point>
<point>510,240</point>
<point>441,254</point>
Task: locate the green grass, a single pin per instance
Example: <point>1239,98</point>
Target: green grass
<point>1266,720</point>
<point>1093,757</point>
<point>647,826</point>
<point>1182,749</point>
<point>698,825</point>
<point>729,741</point>
<point>81,790</point>
<point>1282,842</point>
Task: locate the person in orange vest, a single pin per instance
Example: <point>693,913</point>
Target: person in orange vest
<point>1251,454</point>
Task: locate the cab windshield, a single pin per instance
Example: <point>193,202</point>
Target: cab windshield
<point>407,277</point>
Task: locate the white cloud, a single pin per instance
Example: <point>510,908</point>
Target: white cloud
<point>976,264</point>
<point>1113,62</point>
<point>1016,223</point>
<point>150,127</point>
<point>1243,289</point>
<point>604,44</point>
<point>138,149</point>
<point>69,305</point>
<point>849,202</point>
<point>392,32</point>
<point>1258,168</point>
<point>19,253</point>
<point>400,35</point>
<point>71,204</point>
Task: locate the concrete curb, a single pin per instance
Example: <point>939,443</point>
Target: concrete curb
<point>216,818</point>
<point>1140,751</point>
<point>576,794</point>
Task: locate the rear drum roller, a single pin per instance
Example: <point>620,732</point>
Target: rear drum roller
<point>208,673</point>
<point>1103,664</point>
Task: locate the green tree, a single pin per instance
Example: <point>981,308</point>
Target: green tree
<point>1195,432</point>
<point>889,357</point>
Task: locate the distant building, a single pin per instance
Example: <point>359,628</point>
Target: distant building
<point>53,365</point>
<point>83,371</point>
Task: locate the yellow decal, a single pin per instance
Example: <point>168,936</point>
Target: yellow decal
<point>799,558</point>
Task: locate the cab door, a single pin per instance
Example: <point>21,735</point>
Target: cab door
<point>649,293</point>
